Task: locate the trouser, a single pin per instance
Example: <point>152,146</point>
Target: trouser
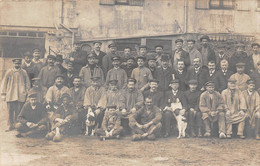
<point>125,125</point>
<point>14,108</point>
<point>240,128</point>
<point>22,128</point>
<point>101,132</point>
<point>153,129</point>
<point>168,121</point>
<point>221,123</point>
<point>194,121</point>
<point>253,129</point>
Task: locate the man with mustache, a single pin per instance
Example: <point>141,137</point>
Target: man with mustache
<point>97,51</point>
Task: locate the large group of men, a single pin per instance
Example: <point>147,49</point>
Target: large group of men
<point>133,94</point>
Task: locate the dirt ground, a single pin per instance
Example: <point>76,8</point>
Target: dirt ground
<point>82,150</point>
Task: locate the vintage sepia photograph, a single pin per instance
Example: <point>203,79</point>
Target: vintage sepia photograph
<point>129,82</point>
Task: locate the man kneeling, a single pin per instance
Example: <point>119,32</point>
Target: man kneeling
<point>146,122</point>
<point>32,118</point>
<point>111,124</point>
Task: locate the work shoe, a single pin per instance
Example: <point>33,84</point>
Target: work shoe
<point>257,137</point>
<point>136,137</point>
<point>57,138</point>
<point>151,137</point>
<point>222,135</point>
<point>242,137</point>
<point>50,135</point>
<point>207,134</point>
<point>228,136</point>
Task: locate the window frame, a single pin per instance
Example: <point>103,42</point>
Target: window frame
<point>221,5</point>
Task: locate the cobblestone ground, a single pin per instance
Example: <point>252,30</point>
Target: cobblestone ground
<point>82,150</point>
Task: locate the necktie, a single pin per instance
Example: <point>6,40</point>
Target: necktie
<point>232,97</point>
<point>210,100</point>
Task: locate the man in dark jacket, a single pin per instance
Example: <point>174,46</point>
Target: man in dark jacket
<point>208,54</point>
<point>99,54</point>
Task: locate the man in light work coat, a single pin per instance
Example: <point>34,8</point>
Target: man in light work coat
<point>235,108</point>
<point>15,86</point>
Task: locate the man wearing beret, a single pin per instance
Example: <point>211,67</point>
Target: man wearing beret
<point>172,96</point>
<point>235,105</point>
<point>117,73</point>
<point>208,54</point>
<point>155,94</point>
<point>256,76</point>
<point>48,73</point>
<point>32,118</point>
<point>78,57</point>
<point>193,52</point>
<point>37,63</point>
<point>142,74</point>
<point>91,70</point>
<point>253,109</point>
<point>255,56</point>
<point>240,56</point>
<point>107,61</point>
<point>146,121</point>
<point>240,76</point>
<point>14,88</point>
<point>99,54</point>
<point>192,97</point>
<point>180,54</point>
<point>55,92</point>
<point>212,106</point>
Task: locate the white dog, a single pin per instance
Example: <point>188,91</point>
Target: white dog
<point>91,124</point>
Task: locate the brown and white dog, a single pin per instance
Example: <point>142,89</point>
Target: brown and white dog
<point>91,122</point>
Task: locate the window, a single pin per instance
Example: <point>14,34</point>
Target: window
<point>221,4</point>
<point>122,2</point>
<point>202,4</point>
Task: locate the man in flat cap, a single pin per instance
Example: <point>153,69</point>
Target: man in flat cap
<point>221,55</point>
<point>36,61</point>
<point>253,110</point>
<point>235,105</point>
<point>97,51</point>
<point>208,54</point>
<point>193,52</point>
<point>142,50</point>
<point>78,57</point>
<point>142,74</point>
<point>14,88</point>
<point>107,61</point>
<point>32,118</point>
<point>180,54</point>
<point>172,96</point>
<point>117,73</point>
<point>91,70</point>
<point>146,121</point>
<point>192,97</point>
<point>155,94</point>
<point>256,76</point>
<point>240,76</point>
<point>212,106</point>
<point>255,56</point>
<point>48,73</point>
<point>240,56</point>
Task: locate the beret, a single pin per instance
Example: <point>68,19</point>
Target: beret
<point>193,82</point>
<point>204,37</point>
<point>17,60</point>
<point>210,83</point>
<point>174,81</point>
<point>95,78</point>
<point>251,81</point>
<point>114,58</point>
<point>179,40</point>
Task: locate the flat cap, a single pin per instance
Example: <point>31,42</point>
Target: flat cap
<point>210,83</point>
<point>179,40</point>
<point>95,78</point>
<point>60,75</point>
<point>255,44</point>
<point>174,81</point>
<point>154,80</point>
<point>232,80</point>
<point>116,58</point>
<point>251,81</point>
<point>113,82</point>
<point>17,60</point>
<point>193,82</point>
<point>240,64</point>
<point>51,57</point>
<point>36,50</point>
<point>204,37</point>
<point>131,80</point>
<point>32,94</point>
<point>158,46</point>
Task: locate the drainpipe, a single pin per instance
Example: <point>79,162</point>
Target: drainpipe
<point>62,9</point>
<point>186,16</point>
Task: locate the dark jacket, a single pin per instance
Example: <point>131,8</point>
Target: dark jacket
<point>182,78</point>
<point>211,54</point>
<point>192,99</point>
<point>164,77</point>
<point>100,57</point>
<point>170,98</point>
<point>218,79</point>
<point>201,76</point>
<point>157,97</point>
